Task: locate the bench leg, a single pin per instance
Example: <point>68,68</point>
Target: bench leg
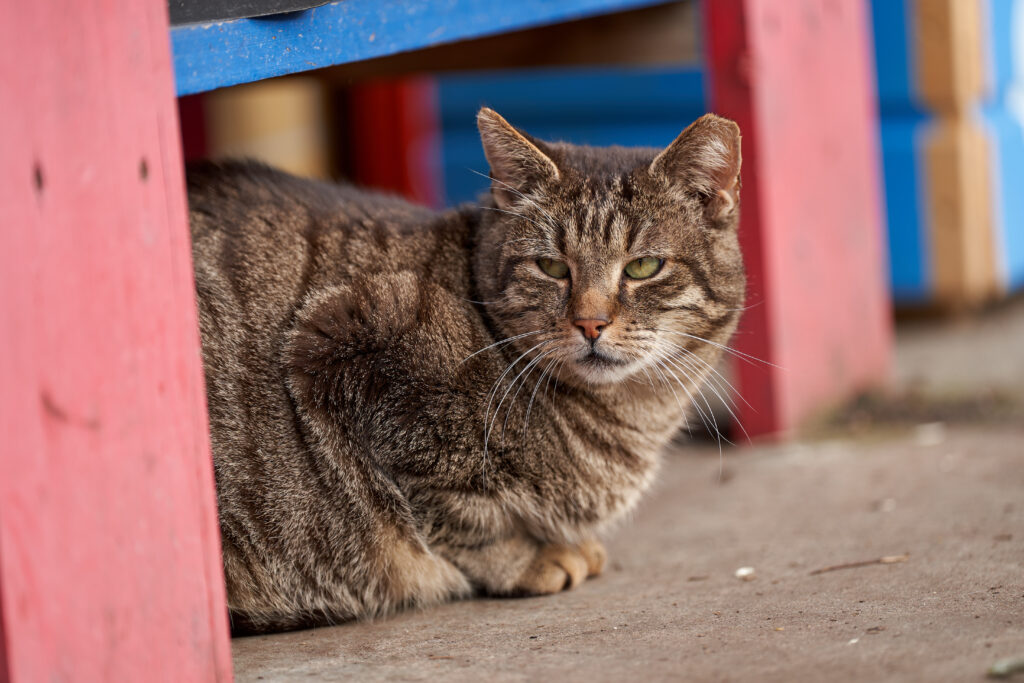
<point>110,564</point>
<point>798,78</point>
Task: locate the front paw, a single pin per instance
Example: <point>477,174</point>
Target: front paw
<point>560,567</point>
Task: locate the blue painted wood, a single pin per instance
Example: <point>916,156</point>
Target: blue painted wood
<point>1005,18</point>
<point>597,106</point>
<point>900,122</point>
<point>208,56</point>
<point>1006,134</point>
<point>892,24</point>
<point>1004,119</point>
<point>905,121</point>
<point>910,268</point>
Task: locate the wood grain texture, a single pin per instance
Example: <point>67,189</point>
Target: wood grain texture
<point>208,56</point>
<point>797,77</point>
<point>283,122</point>
<point>660,36</point>
<point>958,166</point>
<point>958,188</point>
<point>951,59</point>
<point>109,553</point>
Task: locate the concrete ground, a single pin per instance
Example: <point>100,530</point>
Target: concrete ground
<point>946,498</point>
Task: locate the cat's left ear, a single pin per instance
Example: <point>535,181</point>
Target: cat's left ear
<point>706,159</point>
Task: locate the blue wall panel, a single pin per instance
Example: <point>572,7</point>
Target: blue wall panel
<point>891,24</point>
<point>904,122</point>
<point>1008,162</point>
<point>909,246</point>
<point>631,107</point>
<point>1004,117</point>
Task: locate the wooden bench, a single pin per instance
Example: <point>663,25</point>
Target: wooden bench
<point>109,552</point>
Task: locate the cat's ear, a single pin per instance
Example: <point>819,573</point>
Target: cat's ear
<point>705,159</point>
<point>517,164</point>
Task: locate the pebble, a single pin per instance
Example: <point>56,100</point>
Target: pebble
<point>745,574</point>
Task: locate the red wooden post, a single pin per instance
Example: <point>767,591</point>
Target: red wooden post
<point>395,138</point>
<point>110,564</point>
<point>798,78</point>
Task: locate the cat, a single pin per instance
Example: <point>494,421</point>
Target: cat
<point>408,406</point>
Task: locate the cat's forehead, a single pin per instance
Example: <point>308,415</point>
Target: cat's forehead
<point>605,202</point>
<point>599,165</point>
<point>601,219</point>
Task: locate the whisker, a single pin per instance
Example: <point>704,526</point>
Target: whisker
<point>739,354</point>
<point>697,387</point>
<point>489,428</point>
<point>551,376</point>
<point>704,418</point>
<point>498,343</point>
<point>711,385</point>
<point>661,373</point>
<point>529,406</point>
<point>515,190</point>
<point>745,308</point>
<point>733,391</point>
<point>490,397</point>
<point>718,432</point>
<point>720,381</point>
<point>532,396</point>
<point>528,370</point>
<point>649,378</point>
<point>518,215</point>
<point>482,303</point>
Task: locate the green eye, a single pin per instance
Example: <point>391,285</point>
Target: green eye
<point>643,268</point>
<point>553,268</point>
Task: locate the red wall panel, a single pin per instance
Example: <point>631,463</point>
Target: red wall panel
<point>798,78</point>
<point>110,564</point>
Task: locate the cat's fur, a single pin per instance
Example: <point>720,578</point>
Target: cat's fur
<point>349,397</point>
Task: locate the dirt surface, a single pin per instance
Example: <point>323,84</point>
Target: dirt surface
<point>980,353</point>
<point>669,607</point>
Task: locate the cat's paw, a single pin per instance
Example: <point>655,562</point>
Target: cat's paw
<point>595,554</point>
<point>561,567</point>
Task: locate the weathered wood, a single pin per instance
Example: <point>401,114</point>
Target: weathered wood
<point>958,167</point>
<point>109,555</point>
<point>950,55</point>
<point>958,188</point>
<point>797,77</point>
<point>283,122</point>
<point>208,56</point>
<point>659,36</point>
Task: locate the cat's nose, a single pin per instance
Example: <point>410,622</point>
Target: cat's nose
<point>591,327</point>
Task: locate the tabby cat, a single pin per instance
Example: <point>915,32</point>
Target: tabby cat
<point>409,406</point>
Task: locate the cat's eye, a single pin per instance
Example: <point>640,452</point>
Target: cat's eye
<point>643,268</point>
<point>557,269</point>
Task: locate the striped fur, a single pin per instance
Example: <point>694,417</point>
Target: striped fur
<point>402,410</point>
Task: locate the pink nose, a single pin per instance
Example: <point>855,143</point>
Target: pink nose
<point>591,327</point>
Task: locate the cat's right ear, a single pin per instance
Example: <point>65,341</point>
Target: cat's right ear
<point>517,164</point>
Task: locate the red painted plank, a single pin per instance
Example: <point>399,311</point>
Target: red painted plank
<point>797,77</point>
<point>192,117</point>
<point>109,552</point>
<point>395,138</point>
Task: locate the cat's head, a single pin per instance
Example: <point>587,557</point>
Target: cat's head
<point>612,262</point>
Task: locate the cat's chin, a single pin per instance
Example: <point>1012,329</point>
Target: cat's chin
<point>597,368</point>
